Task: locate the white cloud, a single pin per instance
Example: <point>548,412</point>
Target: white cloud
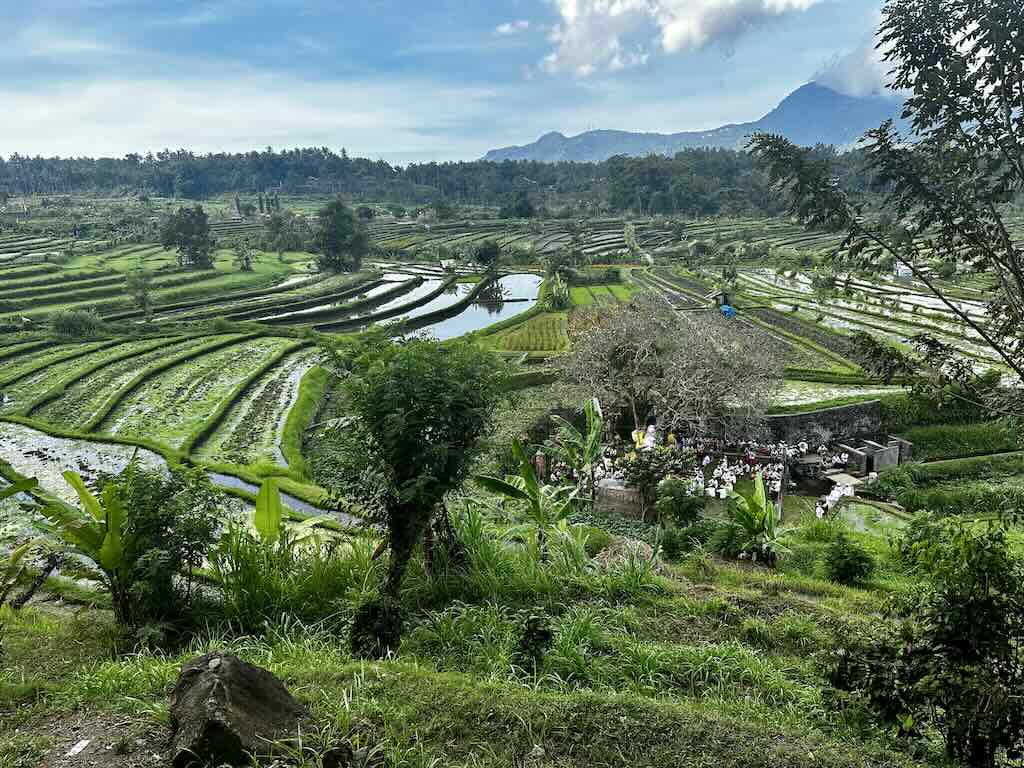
<point>46,42</point>
<point>511,27</point>
<point>859,72</point>
<point>608,35</point>
<point>236,113</point>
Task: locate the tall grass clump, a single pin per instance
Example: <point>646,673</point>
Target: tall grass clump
<point>311,579</point>
<point>77,324</point>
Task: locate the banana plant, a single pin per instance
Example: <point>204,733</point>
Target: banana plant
<point>581,451</point>
<point>755,514</point>
<point>98,532</point>
<point>546,506</point>
<point>268,519</point>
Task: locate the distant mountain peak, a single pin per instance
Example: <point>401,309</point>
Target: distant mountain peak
<point>812,114</point>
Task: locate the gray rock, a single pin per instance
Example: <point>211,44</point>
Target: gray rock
<point>223,710</point>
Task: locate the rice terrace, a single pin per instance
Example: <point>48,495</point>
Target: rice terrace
<point>624,448</point>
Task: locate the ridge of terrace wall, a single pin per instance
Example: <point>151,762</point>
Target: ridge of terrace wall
<point>846,421</point>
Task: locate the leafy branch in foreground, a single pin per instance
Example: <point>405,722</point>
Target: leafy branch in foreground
<point>947,184</point>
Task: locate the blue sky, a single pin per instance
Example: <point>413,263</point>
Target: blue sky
<point>406,80</point>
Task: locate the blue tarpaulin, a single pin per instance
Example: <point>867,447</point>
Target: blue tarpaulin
<point>728,311</point>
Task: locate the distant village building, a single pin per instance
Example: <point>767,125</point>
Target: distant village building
<point>902,271</point>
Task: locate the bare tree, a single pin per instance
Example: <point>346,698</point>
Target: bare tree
<point>693,373</point>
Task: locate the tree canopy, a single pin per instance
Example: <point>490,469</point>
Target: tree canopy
<point>341,239</point>
<point>188,231</point>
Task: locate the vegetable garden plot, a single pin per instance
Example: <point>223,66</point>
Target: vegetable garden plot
<point>251,430</point>
<point>32,453</point>
<point>83,400</point>
<point>175,404</point>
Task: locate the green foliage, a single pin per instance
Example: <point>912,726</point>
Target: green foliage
<point>581,451</point>
<point>952,441</point>
<point>954,664</point>
<point>188,231</point>
<point>376,628</point>
<point>138,282</point>
<point>756,515</point>
<point>303,574</point>
<point>547,507</point>
<point>425,405</point>
<point>487,253</point>
<point>341,239</point>
<point>558,295</point>
<point>77,324</point>
<point>676,505</point>
<point>535,639</point>
<point>144,532</point>
<point>645,469</point>
<point>728,540</point>
<point>847,562</point>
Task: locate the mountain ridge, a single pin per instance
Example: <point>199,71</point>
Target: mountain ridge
<point>811,114</point>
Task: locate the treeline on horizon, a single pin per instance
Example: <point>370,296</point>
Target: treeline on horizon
<point>694,182</point>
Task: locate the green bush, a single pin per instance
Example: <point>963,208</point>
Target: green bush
<point>674,504</point>
<point>674,544</point>
<point>77,324</point>
<point>727,540</point>
<point>847,562</point>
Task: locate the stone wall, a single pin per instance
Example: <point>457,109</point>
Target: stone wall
<point>846,422</point>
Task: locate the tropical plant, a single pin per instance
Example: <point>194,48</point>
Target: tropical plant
<point>581,451</point>
<point>547,507</point>
<point>97,532</point>
<point>424,406</point>
<point>756,515</point>
<point>12,568</point>
<point>146,534</point>
<point>558,295</point>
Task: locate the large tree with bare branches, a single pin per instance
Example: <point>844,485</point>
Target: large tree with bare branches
<point>691,372</point>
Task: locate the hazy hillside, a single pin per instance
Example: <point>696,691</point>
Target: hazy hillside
<point>810,115</point>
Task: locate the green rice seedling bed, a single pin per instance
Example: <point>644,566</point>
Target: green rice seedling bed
<point>115,398</point>
<point>91,364</point>
<point>581,296</point>
<point>26,365</point>
<point>544,333</point>
<point>174,404</point>
<point>251,429</point>
<point>21,393</point>
<point>76,407</point>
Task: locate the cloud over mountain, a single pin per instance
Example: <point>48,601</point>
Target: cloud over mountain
<point>609,35</point>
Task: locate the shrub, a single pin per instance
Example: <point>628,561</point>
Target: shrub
<point>954,664</point>
<point>674,543</point>
<point>701,530</point>
<point>848,562</point>
<point>676,505</point>
<point>147,534</point>
<point>77,324</point>
<point>376,629</point>
<point>728,540</point>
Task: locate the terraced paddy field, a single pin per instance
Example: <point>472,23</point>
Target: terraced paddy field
<point>174,404</point>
